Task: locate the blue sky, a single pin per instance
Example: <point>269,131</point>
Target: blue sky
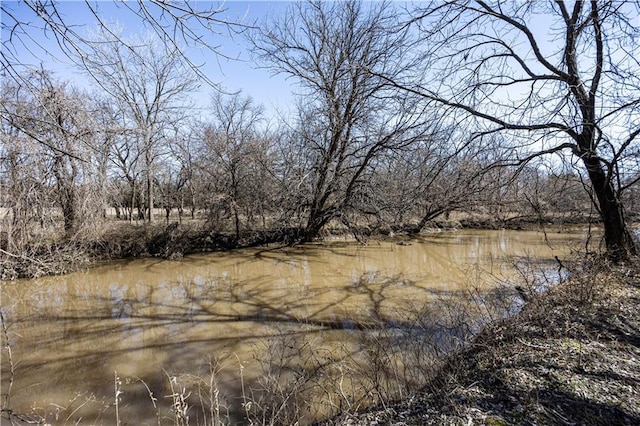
<point>274,92</point>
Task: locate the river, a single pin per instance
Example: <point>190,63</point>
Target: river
<point>264,332</point>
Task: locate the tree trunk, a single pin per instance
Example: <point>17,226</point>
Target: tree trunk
<point>66,193</point>
<point>429,215</point>
<point>236,219</point>
<point>149,196</point>
<point>148,144</point>
<point>132,201</point>
<point>618,241</point>
<point>69,210</point>
<point>317,220</point>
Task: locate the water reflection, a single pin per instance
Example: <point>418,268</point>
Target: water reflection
<point>147,319</point>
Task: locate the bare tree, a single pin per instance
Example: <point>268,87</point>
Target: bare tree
<point>118,144</point>
<point>26,198</point>
<point>442,172</point>
<point>186,150</point>
<point>289,172</point>
<point>149,84</point>
<point>559,192</point>
<point>232,154</point>
<point>551,76</point>
<point>349,115</point>
<point>56,118</point>
<point>177,25</point>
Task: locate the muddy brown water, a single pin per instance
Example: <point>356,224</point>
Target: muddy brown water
<point>152,326</point>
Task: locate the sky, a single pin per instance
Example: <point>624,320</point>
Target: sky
<point>39,47</point>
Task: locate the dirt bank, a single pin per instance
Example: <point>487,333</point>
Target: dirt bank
<point>571,357</point>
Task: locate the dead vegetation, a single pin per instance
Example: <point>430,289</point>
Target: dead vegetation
<point>52,254</point>
<point>43,260</point>
<point>570,357</point>
<point>122,241</point>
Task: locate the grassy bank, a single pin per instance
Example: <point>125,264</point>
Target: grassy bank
<point>571,357</point>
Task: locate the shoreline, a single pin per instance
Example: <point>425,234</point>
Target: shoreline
<point>569,357</point>
<point>132,241</point>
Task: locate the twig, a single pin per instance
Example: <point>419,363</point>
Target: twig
<point>21,256</point>
<point>7,398</point>
<point>531,345</point>
<point>116,384</point>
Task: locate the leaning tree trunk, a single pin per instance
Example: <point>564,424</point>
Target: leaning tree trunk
<point>429,215</point>
<point>317,220</point>
<point>312,229</point>
<point>618,240</point>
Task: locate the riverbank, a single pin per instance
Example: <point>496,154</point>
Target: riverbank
<point>572,356</point>
<point>123,240</point>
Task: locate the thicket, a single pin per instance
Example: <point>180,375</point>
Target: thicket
<point>398,124</point>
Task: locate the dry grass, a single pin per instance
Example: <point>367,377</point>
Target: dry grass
<point>571,357</point>
<point>307,373</point>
